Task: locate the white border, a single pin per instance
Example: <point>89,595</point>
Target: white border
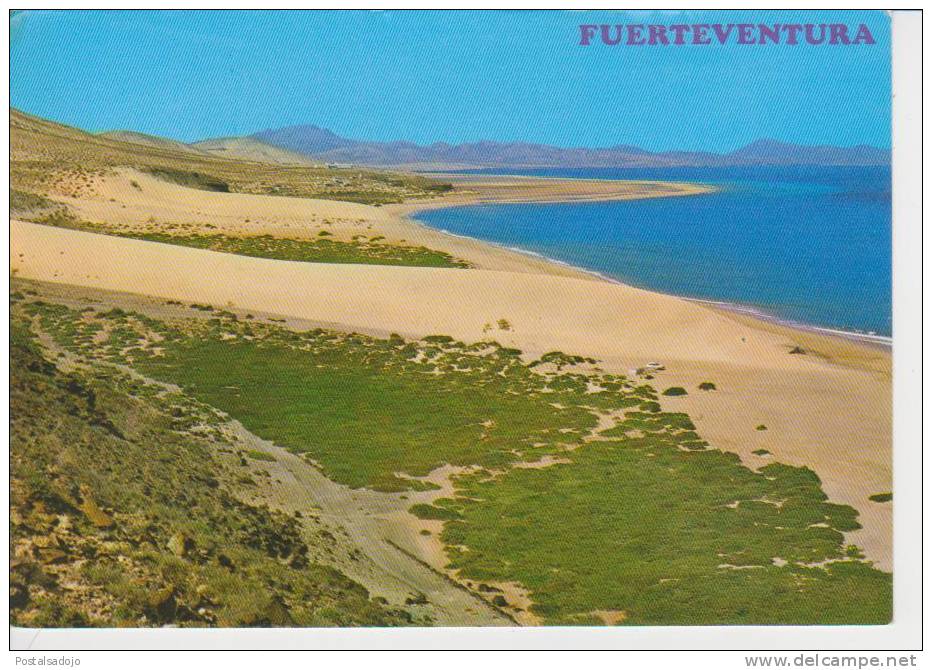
<point>903,634</point>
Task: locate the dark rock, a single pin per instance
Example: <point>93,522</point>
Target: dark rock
<point>19,596</point>
<point>419,599</point>
<point>163,603</point>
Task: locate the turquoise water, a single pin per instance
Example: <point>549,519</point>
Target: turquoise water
<point>808,245</point>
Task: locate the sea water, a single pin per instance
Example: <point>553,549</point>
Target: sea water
<point>806,245</point>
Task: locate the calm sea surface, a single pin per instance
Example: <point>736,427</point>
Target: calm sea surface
<point>806,245</point>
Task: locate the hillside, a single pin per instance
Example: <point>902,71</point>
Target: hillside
<point>236,148</point>
<point>131,507</point>
<point>149,140</point>
<point>49,159</point>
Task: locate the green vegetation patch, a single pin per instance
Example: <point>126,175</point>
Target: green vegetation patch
<point>881,497</point>
<point>675,391</point>
<point>311,251</point>
<point>433,512</point>
<point>357,251</point>
<point>713,543</point>
<point>366,409</point>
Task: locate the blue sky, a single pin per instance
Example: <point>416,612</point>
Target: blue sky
<point>448,76</point>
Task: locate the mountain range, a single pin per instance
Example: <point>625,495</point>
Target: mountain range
<point>326,146</point>
<point>309,144</point>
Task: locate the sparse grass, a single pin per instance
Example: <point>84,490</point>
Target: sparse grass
<point>265,246</point>
<point>580,536</point>
<point>260,456</point>
<point>43,152</point>
<point>22,202</point>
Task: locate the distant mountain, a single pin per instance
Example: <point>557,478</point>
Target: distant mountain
<point>325,146</point>
<point>308,140</point>
<point>769,151</point>
<point>251,149</point>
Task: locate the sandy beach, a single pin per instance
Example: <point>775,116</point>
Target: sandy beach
<point>828,409</point>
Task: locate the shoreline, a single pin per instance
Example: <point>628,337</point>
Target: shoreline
<point>833,401</point>
<point>409,211</point>
<point>804,401</point>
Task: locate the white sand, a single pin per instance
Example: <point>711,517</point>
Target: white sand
<point>830,412</point>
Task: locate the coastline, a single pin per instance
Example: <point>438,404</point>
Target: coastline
<point>753,314</point>
<point>828,410</point>
<point>846,354</point>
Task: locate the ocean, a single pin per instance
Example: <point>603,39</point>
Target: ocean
<point>804,245</point>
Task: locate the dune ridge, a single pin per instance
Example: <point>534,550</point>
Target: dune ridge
<point>805,400</point>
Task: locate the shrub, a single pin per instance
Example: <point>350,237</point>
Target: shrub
<point>432,512</point>
<point>761,427</point>
<point>439,339</point>
<point>707,386</point>
<point>197,180</point>
<point>760,452</point>
<point>881,497</point>
<point>675,390</point>
<point>440,188</point>
<point>21,201</point>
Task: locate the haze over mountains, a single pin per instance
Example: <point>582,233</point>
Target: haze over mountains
<point>326,146</point>
<point>307,144</point>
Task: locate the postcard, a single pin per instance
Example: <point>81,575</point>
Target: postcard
<point>453,320</point>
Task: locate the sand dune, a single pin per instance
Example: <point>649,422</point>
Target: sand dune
<point>131,199</point>
<point>579,315</point>
<point>831,417</point>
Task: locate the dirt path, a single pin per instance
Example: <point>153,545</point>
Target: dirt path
<point>386,562</point>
